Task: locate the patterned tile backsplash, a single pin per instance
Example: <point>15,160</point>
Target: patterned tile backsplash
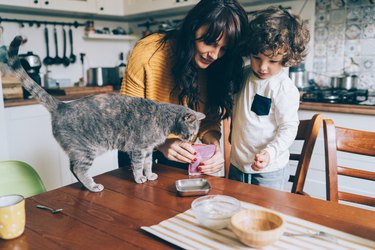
<point>345,41</point>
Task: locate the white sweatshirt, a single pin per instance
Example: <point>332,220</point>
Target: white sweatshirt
<point>275,131</point>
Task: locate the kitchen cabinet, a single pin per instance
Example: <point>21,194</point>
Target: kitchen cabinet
<point>132,7</point>
<point>21,3</point>
<point>112,8</point>
<point>84,6</point>
<point>30,139</point>
<point>81,6</point>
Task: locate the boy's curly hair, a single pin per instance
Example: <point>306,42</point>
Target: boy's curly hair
<point>275,29</point>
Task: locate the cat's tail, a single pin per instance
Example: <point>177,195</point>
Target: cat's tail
<point>29,84</point>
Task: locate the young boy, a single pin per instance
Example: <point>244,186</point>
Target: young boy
<point>265,119</point>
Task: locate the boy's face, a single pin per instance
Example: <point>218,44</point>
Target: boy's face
<point>264,65</point>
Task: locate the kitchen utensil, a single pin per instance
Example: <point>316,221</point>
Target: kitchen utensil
<point>72,57</point>
<point>257,227</point>
<point>344,82</point>
<point>319,234</point>
<point>102,76</point>
<point>54,211</point>
<point>57,60</point>
<point>47,60</point>
<point>192,187</point>
<point>349,82</point>
<point>336,82</point>
<point>65,59</point>
<point>82,80</point>
<point>215,211</point>
<point>299,76</point>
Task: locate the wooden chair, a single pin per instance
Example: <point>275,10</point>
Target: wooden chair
<point>307,132</point>
<point>350,141</point>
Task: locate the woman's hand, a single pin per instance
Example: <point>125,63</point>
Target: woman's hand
<point>214,164</point>
<point>176,150</point>
<point>261,160</point>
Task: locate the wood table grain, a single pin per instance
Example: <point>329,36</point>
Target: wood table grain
<point>112,219</point>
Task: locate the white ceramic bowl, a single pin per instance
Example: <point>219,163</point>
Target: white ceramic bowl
<point>257,227</point>
<point>215,211</point>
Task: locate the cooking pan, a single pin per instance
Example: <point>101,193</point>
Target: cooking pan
<point>344,82</point>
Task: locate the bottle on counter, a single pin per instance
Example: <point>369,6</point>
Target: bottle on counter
<point>121,70</point>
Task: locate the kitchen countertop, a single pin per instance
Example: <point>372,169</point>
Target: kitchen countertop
<point>330,107</point>
<point>338,108</point>
<point>68,97</point>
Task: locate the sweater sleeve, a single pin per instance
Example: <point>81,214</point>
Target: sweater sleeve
<point>134,80</point>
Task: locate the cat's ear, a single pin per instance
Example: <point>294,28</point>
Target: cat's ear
<point>200,116</point>
<point>191,117</point>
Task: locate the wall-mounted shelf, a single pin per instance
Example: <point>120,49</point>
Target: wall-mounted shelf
<point>92,36</point>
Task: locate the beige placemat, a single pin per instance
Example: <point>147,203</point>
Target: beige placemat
<point>184,231</point>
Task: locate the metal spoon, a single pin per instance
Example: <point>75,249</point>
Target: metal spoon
<point>54,211</point>
<point>319,234</point>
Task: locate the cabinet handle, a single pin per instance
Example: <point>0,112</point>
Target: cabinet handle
<point>46,2</point>
<point>36,1</point>
<point>101,8</point>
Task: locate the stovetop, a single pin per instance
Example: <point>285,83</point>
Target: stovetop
<point>342,96</point>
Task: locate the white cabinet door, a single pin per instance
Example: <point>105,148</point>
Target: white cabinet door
<point>30,139</point>
<point>83,6</point>
<point>21,3</point>
<point>110,7</point>
<point>132,7</point>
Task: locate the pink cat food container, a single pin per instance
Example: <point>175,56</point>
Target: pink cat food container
<point>204,152</point>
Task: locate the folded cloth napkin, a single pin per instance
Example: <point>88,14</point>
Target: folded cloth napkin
<point>204,152</point>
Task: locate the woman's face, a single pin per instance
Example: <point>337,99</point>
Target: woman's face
<point>205,54</point>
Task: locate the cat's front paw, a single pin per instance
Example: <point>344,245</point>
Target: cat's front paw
<point>96,188</point>
<point>152,177</point>
<point>141,179</point>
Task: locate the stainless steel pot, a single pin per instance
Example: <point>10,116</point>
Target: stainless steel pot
<point>349,82</point>
<point>344,82</point>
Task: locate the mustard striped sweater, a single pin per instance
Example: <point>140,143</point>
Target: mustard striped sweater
<point>148,74</point>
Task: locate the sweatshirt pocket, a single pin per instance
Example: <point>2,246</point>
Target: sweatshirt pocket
<point>261,105</point>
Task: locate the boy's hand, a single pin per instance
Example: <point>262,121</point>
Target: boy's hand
<point>261,160</point>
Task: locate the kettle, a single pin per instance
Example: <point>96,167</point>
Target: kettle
<point>298,76</point>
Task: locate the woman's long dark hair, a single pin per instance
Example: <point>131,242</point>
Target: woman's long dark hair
<point>225,74</point>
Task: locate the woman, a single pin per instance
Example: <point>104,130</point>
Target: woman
<point>199,66</point>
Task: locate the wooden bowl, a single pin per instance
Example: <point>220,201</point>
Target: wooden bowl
<point>256,227</point>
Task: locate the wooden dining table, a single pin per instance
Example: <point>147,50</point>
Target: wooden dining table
<point>112,219</point>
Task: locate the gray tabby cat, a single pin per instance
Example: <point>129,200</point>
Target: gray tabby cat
<point>90,126</point>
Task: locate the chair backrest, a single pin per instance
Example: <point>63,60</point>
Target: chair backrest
<point>350,141</point>
<point>227,146</point>
<point>17,177</point>
<point>308,131</point>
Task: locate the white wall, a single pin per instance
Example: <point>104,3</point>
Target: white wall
<point>3,134</point>
<point>99,53</point>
